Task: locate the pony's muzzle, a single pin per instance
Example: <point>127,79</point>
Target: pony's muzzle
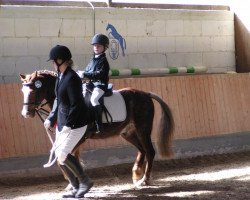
<point>27,114</point>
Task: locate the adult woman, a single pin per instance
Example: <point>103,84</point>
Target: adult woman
<point>68,115</point>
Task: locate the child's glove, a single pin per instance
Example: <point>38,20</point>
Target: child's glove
<point>80,73</point>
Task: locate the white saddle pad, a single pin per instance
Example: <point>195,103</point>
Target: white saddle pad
<point>116,106</point>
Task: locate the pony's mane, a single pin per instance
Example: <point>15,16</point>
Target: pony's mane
<point>46,72</point>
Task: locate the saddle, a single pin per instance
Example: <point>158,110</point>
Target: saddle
<point>113,104</point>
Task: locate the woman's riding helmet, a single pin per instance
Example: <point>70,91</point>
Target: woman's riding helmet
<point>60,52</point>
<point>100,39</point>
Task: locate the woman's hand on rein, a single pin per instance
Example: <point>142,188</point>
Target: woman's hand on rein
<point>47,124</point>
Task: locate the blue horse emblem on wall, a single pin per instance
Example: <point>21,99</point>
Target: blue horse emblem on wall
<point>115,35</point>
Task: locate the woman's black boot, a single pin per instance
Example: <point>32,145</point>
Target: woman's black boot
<point>84,181</point>
<point>72,180</point>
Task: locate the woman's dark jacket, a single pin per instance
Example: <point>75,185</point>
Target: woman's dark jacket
<point>69,108</point>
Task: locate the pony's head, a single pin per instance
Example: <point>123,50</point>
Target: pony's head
<point>37,86</point>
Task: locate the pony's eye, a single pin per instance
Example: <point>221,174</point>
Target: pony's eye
<point>38,84</point>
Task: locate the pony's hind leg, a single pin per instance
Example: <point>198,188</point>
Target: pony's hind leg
<point>144,137</point>
<point>138,167</point>
<point>150,154</point>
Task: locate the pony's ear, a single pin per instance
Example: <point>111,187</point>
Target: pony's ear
<point>22,77</point>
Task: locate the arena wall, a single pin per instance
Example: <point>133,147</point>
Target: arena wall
<point>155,38</point>
<point>202,106</point>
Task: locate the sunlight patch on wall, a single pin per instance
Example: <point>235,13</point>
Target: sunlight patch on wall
<point>242,12</point>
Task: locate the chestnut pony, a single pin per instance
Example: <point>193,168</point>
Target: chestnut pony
<point>136,128</point>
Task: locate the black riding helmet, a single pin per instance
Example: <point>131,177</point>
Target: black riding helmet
<point>100,39</point>
<point>60,52</point>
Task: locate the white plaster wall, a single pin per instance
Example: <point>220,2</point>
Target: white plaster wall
<point>154,38</point>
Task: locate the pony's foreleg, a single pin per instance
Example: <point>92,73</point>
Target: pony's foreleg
<point>76,153</point>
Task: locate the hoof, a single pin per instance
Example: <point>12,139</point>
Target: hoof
<point>137,174</point>
<point>141,182</point>
<point>69,187</point>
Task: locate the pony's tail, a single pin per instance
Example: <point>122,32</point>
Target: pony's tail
<point>166,128</point>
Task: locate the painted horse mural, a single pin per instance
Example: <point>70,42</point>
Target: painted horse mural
<point>38,87</point>
<point>114,34</point>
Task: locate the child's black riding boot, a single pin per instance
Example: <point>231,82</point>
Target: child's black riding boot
<point>72,180</point>
<point>98,118</point>
<point>84,181</point>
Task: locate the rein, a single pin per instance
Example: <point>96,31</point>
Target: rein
<point>40,111</point>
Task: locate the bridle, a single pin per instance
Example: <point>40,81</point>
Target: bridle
<point>40,111</point>
<point>38,105</point>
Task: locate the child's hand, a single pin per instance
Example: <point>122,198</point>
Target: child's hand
<point>80,73</point>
